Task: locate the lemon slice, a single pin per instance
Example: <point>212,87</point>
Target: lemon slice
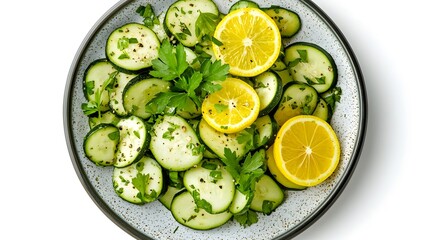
<point>251,41</point>
<point>306,150</point>
<point>232,108</point>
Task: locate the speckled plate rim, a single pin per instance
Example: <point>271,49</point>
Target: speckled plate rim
<point>310,219</point>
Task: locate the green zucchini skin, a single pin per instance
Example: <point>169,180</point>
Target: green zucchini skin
<point>186,212</point>
<point>126,180</point>
<point>181,17</point>
<point>318,69</point>
<point>298,99</point>
<point>94,77</point>
<point>100,144</point>
<point>132,47</point>
<point>268,85</point>
<point>139,91</point>
<point>243,4</point>
<point>134,140</point>
<point>288,21</point>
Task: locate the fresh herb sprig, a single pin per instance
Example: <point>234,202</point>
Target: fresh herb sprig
<point>190,84</point>
<point>205,26</point>
<point>246,174</point>
<point>149,17</point>
<point>96,105</point>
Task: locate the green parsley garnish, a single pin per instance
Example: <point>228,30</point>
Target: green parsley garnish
<point>190,84</point>
<point>95,106</point>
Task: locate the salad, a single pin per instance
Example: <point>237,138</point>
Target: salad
<point>187,115</point>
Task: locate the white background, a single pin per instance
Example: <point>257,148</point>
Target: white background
<point>42,198</point>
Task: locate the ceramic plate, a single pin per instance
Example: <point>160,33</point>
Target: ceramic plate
<point>301,208</point>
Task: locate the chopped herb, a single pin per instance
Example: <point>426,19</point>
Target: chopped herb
<point>141,182</point>
<point>190,85</point>
<point>267,207</point>
<point>333,96</point>
<point>220,107</point>
<point>205,26</point>
<point>149,17</point>
<point>246,219</point>
<point>95,106</point>
<point>114,135</point>
<point>201,203</point>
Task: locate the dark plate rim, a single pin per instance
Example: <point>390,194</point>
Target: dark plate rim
<point>307,222</point>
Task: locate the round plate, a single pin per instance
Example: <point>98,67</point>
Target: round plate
<point>301,208</point>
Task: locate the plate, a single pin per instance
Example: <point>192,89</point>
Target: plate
<point>301,208</point>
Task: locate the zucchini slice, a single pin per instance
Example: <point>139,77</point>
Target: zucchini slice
<point>288,21</point>
<point>100,144</point>
<point>323,110</point>
<point>211,185</point>
<point>186,212</point>
<point>132,47</point>
<point>106,117</point>
<point>217,141</point>
<point>181,19</point>
<point>168,196</point>
<point>311,64</point>
<point>266,128</point>
<point>268,195</point>
<point>139,91</point>
<point>139,183</point>
<point>175,144</point>
<point>268,86</point>
<point>134,141</point>
<point>243,4</point>
<point>241,202</point>
<point>298,99</point>
<point>116,101</point>
<point>95,76</point>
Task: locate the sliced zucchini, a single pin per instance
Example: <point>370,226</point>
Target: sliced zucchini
<point>175,144</point>
<point>243,4</point>
<point>323,110</point>
<point>266,128</point>
<point>211,185</point>
<point>168,196</point>
<point>134,140</point>
<point>218,141</point>
<point>311,64</point>
<point>140,182</point>
<point>96,75</point>
<point>279,65</point>
<point>116,100</point>
<point>285,76</point>
<point>268,86</point>
<point>288,21</point>
<point>132,47</point>
<point>139,91</point>
<point>298,99</point>
<point>106,117</point>
<point>186,212</point>
<point>100,144</point>
<point>181,19</point>
<point>241,202</point>
<point>277,175</point>
<point>268,195</point>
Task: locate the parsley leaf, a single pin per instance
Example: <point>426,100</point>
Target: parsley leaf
<point>95,106</point>
<point>333,96</point>
<point>190,86</point>
<point>169,66</point>
<point>149,17</point>
<point>140,182</point>
<point>246,219</point>
<point>206,24</point>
